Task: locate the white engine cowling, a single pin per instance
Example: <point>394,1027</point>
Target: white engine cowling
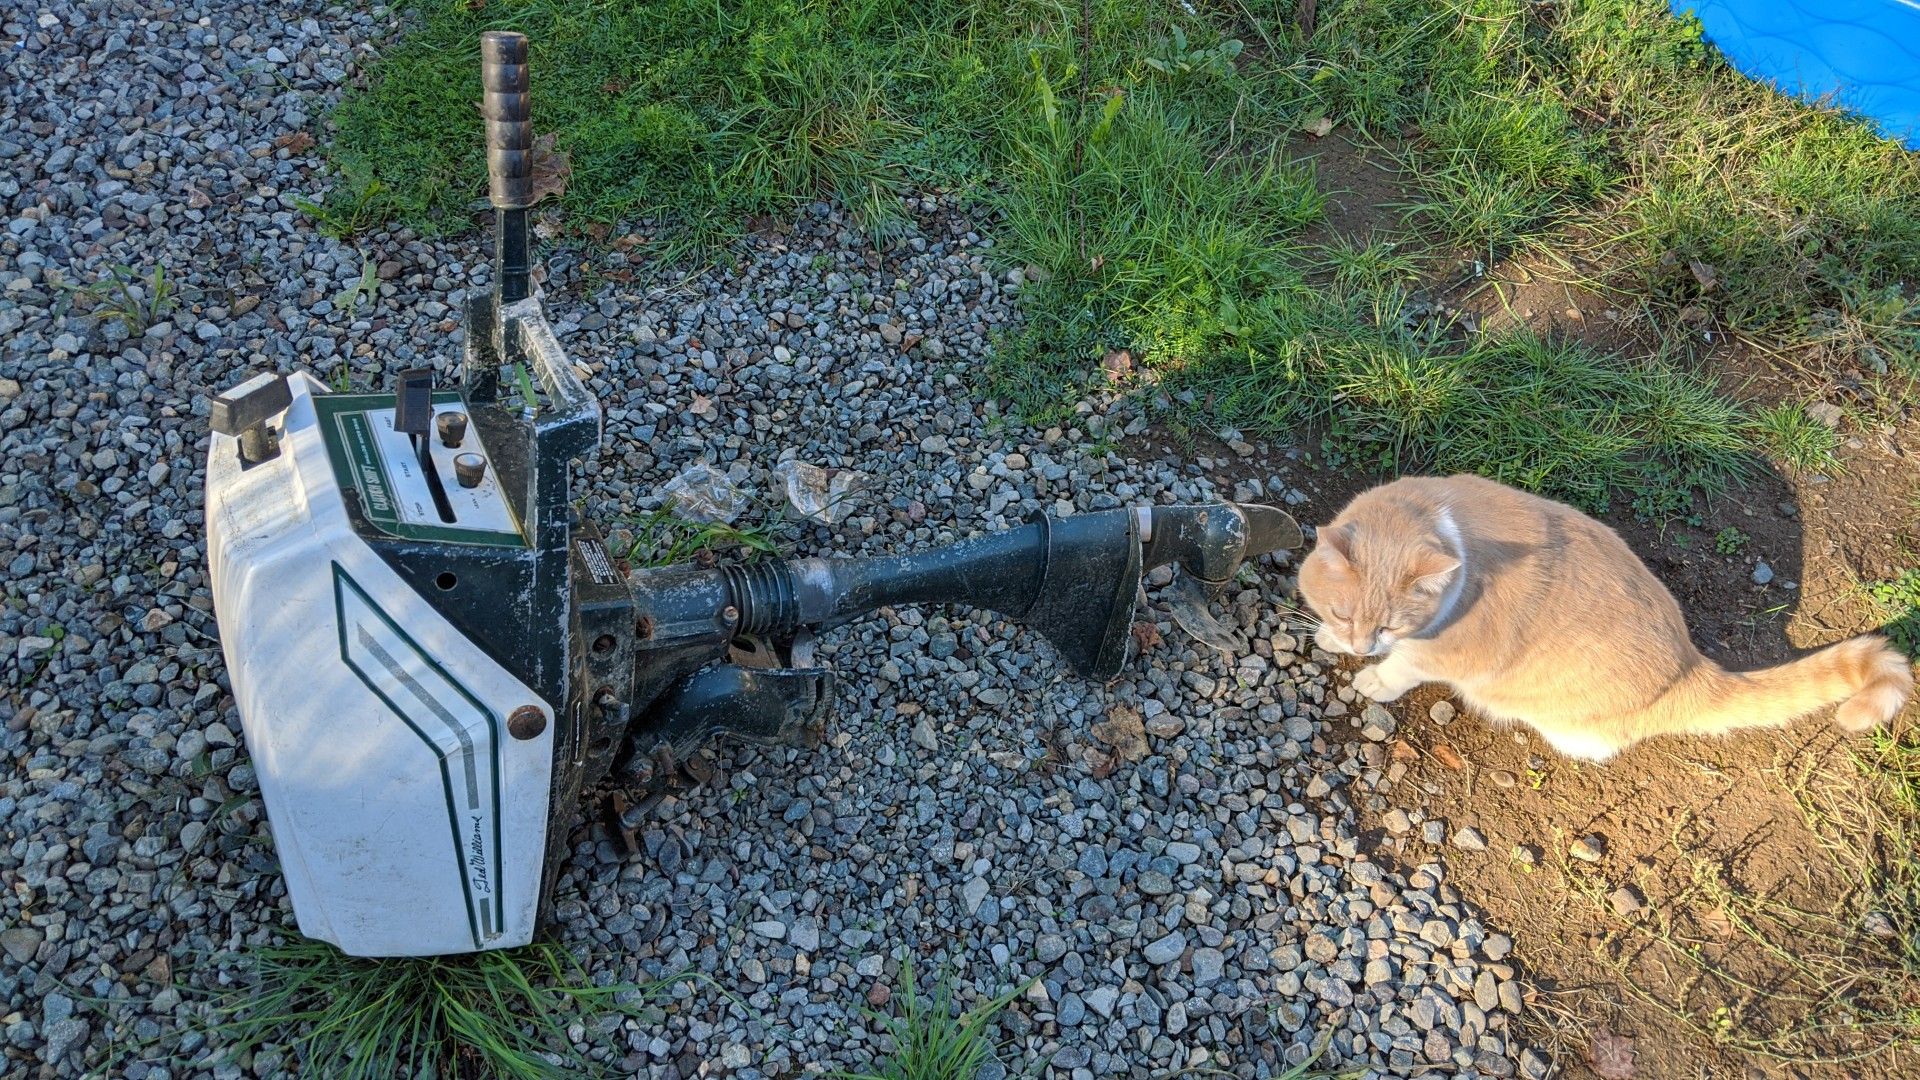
<point>407,820</point>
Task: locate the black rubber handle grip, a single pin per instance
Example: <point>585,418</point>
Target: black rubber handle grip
<point>503,77</point>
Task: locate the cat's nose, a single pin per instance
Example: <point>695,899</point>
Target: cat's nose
<point>1365,646</point>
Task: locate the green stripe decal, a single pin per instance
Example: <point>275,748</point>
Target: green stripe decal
<point>428,699</point>
<point>405,678</point>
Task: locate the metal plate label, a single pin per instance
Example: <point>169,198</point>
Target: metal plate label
<point>371,458</point>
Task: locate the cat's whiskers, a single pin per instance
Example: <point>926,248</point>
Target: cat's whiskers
<point>1300,618</point>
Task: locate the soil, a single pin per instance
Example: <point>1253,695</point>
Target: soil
<point>1362,186</point>
<point>1709,835</point>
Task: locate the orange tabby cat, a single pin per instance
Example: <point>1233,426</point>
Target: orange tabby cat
<point>1532,611</point>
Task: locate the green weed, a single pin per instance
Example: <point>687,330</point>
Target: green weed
<point>341,381</point>
<point>1152,236</point>
<point>529,393</point>
<point>1783,220</point>
<point>136,301</point>
<point>362,205</point>
<point>504,1013</point>
<point>1373,266</point>
<point>1548,415</point>
<point>662,538</point>
<point>689,113</point>
<point>364,287</point>
<point>27,671</point>
<point>1796,439</point>
<point>1180,60</point>
<point>1495,168</point>
<point>1898,601</point>
<point>1137,159</point>
<point>930,1040</point>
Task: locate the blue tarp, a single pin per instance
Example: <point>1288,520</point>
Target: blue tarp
<point>1860,55</point>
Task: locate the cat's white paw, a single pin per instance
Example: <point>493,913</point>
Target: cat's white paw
<point>1368,682</point>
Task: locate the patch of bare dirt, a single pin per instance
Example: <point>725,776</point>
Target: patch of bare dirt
<point>1363,184</point>
<point>1550,297</point>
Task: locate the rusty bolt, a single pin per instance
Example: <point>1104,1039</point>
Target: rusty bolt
<point>526,722</point>
<point>730,614</point>
<point>641,771</point>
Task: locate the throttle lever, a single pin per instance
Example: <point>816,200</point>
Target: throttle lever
<point>509,116</point>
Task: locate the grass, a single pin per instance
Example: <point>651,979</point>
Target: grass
<point>696,113</point>
<point>498,1014</point>
<point>663,537</point>
<point>931,1041</point>
<point>1137,158</point>
<point>1898,602</point>
<point>1796,439</point>
<point>137,301</point>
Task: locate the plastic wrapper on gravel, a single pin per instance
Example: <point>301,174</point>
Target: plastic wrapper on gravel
<point>819,494</point>
<point>704,493</point>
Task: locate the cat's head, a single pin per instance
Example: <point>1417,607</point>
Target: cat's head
<point>1372,586</point>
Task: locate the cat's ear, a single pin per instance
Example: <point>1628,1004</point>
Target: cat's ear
<point>1338,544</point>
<point>1432,571</point>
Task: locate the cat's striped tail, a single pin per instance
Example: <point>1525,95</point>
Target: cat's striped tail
<point>1869,679</point>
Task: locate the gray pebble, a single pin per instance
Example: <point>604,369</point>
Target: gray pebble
<point>20,943</point>
<point>1154,883</point>
<point>1208,966</point>
<point>1166,950</point>
<point>1376,723</point>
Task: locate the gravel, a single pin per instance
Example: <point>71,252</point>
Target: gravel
<point>1212,904</point>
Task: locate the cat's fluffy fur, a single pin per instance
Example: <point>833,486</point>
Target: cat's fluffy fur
<point>1535,612</point>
